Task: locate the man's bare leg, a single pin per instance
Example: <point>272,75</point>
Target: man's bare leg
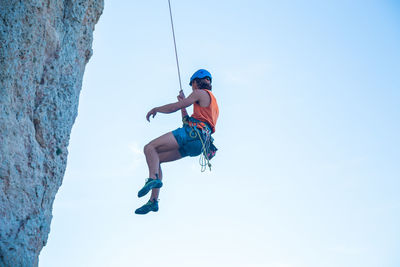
<point>164,143</point>
<point>164,157</point>
<point>155,192</point>
<point>162,149</point>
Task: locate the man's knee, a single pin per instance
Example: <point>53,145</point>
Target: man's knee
<point>147,148</point>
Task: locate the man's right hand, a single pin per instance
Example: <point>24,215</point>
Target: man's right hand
<point>181,96</point>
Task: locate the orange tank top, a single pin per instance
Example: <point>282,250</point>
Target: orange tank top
<point>207,114</point>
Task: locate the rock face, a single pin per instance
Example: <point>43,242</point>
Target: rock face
<point>44,47</point>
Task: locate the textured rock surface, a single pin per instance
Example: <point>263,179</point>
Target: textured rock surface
<point>44,47</point>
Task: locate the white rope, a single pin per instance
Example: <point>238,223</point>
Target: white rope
<point>176,53</point>
<point>203,160</point>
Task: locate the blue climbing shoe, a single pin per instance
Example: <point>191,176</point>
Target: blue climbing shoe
<point>150,184</point>
<point>149,206</point>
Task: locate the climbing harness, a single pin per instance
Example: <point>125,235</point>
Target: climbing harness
<point>202,130</point>
<point>176,53</point>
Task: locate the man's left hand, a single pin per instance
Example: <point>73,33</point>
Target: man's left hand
<point>151,112</point>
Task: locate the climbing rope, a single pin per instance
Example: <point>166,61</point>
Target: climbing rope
<point>176,53</point>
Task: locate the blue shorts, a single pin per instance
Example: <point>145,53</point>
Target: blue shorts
<point>188,141</point>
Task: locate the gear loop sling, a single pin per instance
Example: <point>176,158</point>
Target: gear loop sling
<point>208,149</point>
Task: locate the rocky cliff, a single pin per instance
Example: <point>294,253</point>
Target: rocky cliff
<point>44,47</point>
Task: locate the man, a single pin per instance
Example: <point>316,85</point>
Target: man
<point>185,141</point>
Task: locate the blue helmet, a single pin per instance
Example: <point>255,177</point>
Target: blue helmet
<point>201,73</point>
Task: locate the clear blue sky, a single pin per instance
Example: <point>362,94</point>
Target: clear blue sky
<point>307,173</point>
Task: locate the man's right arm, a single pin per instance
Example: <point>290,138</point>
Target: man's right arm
<point>181,97</point>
